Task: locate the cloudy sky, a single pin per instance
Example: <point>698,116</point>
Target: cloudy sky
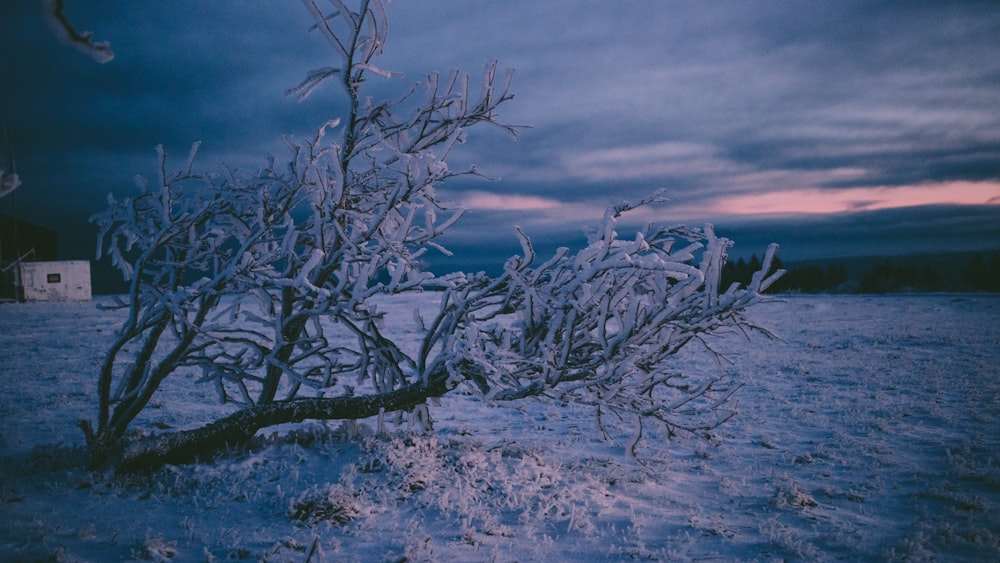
<point>832,128</point>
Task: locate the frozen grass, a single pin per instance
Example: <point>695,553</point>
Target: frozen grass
<point>870,433</point>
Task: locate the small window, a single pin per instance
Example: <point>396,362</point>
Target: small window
<point>53,278</point>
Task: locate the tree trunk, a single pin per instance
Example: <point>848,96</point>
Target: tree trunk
<point>238,428</point>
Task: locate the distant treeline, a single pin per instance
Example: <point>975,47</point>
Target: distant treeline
<point>979,273</point>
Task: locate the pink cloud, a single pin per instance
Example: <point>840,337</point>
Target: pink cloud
<point>506,202</point>
<point>814,200</point>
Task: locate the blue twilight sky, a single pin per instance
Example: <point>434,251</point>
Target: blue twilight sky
<point>833,128</point>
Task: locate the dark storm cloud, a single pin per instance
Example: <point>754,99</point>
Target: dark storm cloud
<point>709,101</point>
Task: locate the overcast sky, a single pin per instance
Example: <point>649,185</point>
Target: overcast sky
<point>833,128</point>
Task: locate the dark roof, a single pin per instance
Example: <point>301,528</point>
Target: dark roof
<point>18,238</point>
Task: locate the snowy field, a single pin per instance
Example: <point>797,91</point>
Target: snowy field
<point>872,432</point>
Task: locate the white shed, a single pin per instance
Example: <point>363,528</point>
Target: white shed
<point>64,280</point>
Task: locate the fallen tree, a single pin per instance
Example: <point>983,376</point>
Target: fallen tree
<point>267,283</point>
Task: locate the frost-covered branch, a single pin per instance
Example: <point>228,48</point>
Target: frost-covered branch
<point>599,327</point>
<point>84,42</point>
<point>9,180</point>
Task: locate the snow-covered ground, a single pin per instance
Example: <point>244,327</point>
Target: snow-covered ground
<point>871,432</point>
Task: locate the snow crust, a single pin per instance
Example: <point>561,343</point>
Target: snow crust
<point>870,433</point>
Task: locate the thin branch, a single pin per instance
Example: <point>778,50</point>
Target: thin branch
<point>84,42</point>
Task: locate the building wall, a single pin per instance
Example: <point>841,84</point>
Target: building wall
<point>67,280</point>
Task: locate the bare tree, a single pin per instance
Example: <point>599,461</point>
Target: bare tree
<point>267,282</point>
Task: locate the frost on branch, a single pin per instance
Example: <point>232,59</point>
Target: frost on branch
<point>599,327</point>
<point>84,42</point>
<point>9,180</point>
<point>265,284</point>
